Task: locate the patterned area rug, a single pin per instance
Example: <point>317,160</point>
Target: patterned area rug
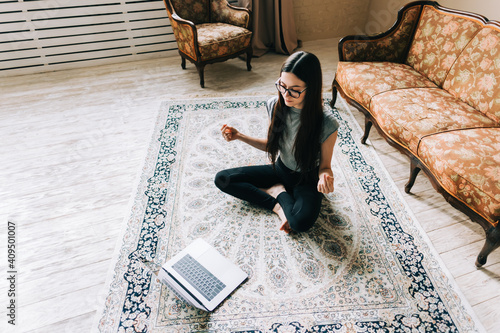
<point>365,266</point>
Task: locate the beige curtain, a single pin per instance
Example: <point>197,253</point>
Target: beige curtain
<point>273,25</point>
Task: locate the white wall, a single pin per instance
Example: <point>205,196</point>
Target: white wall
<point>320,19</point>
<point>383,13</point>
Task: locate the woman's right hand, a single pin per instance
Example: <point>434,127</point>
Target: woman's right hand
<point>229,133</point>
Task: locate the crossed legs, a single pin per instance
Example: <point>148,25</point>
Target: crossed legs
<point>276,189</point>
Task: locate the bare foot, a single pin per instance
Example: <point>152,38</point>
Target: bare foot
<point>275,190</point>
<point>285,226</point>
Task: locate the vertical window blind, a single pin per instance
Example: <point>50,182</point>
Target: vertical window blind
<point>46,35</point>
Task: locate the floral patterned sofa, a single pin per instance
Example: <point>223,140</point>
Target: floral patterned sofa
<point>431,86</point>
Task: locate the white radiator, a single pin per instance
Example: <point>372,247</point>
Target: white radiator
<point>46,35</point>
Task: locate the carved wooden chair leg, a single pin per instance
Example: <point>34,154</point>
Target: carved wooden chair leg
<point>334,97</point>
<point>201,72</point>
<point>368,126</point>
<point>249,58</point>
<point>414,170</point>
<point>183,63</point>
<point>492,242</point>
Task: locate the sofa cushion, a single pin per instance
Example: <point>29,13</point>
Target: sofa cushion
<point>467,164</point>
<point>439,39</point>
<point>220,39</point>
<point>408,115</point>
<point>475,77</point>
<point>363,80</point>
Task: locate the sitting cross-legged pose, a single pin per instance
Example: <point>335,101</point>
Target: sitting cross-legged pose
<point>299,143</point>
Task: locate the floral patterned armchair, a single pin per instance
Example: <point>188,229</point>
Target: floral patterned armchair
<point>209,31</point>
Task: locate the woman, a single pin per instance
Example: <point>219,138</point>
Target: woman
<point>300,142</point>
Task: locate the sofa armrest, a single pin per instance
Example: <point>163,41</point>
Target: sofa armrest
<point>223,12</point>
<point>392,45</point>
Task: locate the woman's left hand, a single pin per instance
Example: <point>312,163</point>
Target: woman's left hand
<point>325,183</point>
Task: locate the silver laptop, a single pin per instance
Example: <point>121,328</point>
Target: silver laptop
<point>201,276</point>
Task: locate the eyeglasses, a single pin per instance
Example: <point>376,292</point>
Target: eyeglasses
<point>291,92</point>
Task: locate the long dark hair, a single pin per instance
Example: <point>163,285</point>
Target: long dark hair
<point>306,67</point>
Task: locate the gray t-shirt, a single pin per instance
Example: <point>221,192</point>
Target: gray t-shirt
<point>292,122</point>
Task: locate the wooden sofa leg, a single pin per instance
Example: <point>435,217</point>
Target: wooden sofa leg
<point>334,97</point>
<point>183,63</point>
<point>368,126</point>
<point>201,72</point>
<point>492,242</point>
<point>414,170</point>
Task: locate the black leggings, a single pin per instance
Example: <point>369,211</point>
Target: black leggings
<point>301,203</point>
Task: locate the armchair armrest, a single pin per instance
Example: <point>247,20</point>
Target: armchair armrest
<point>392,45</point>
<point>223,12</point>
<point>181,22</point>
<point>185,33</point>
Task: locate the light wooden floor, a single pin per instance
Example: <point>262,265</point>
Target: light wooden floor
<point>72,144</point>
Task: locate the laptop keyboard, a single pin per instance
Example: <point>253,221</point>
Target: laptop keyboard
<point>204,281</point>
